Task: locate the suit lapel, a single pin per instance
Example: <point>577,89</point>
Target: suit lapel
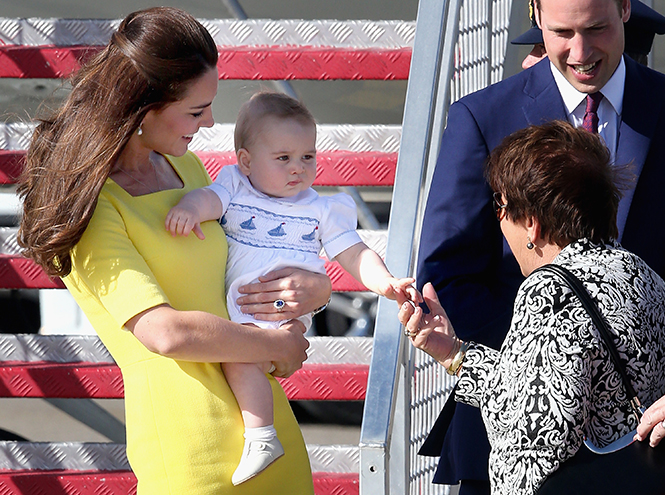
<point>638,122</point>
<point>544,102</point>
<point>638,119</point>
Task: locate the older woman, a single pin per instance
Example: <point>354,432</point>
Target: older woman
<point>552,384</point>
<point>100,176</point>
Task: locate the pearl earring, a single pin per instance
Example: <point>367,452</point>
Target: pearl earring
<point>140,131</point>
<point>529,244</point>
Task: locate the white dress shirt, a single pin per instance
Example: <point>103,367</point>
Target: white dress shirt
<point>609,110</point>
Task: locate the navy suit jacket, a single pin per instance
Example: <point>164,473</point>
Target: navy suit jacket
<point>462,250</point>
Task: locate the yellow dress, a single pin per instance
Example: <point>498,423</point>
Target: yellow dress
<point>184,428</point>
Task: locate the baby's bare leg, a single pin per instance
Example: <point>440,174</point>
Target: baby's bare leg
<point>252,391</point>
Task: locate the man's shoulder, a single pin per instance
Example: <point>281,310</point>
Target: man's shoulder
<point>644,89</point>
<point>645,75</point>
<point>521,86</point>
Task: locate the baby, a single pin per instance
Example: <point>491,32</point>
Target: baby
<point>274,219</point>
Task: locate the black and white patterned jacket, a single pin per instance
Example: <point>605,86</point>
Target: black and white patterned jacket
<point>553,381</point>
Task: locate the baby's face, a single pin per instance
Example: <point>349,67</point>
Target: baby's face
<point>282,158</point>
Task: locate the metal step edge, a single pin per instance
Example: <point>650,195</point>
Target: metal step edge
<point>75,456</point>
<point>89,349</point>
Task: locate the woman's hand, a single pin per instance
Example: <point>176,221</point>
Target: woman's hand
<point>296,353</point>
<point>431,332</point>
<point>302,292</point>
<point>652,421</point>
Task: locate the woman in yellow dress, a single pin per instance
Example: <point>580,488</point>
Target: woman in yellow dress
<point>101,174</point>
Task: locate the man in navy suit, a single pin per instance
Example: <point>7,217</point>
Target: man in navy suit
<point>462,251</point>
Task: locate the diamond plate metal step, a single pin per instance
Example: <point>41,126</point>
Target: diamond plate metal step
<point>76,468</point>
<point>226,32</point>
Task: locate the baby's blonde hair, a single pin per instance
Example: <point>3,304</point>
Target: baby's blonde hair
<point>267,104</point>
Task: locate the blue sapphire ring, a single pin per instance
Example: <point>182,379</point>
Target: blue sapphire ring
<point>279,305</point>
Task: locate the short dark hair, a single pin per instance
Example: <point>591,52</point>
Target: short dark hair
<point>560,175</point>
<point>618,2</point>
<point>267,104</point>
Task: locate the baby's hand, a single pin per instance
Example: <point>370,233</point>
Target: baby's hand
<point>401,290</point>
<point>184,218</point>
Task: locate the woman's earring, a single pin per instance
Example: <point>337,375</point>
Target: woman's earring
<point>140,131</point>
<point>529,244</point>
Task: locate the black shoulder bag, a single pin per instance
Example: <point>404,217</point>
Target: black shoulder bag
<point>623,467</point>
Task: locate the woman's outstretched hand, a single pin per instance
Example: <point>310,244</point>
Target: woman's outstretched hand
<point>431,332</point>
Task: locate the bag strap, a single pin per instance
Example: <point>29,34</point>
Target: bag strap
<point>592,308</point>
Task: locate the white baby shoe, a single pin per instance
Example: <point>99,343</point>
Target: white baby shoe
<point>256,456</point>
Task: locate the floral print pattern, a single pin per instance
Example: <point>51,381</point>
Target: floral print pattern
<point>553,382</point>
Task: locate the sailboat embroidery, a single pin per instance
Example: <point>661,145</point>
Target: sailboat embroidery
<point>248,224</point>
<point>278,231</point>
<point>311,235</point>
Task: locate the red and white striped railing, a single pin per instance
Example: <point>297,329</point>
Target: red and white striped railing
<point>255,49</point>
<point>92,468</point>
<point>349,155</point>
<point>360,155</point>
<point>81,367</point>
<point>334,167</point>
<point>54,366</point>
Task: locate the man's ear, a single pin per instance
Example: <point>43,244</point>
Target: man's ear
<point>244,161</point>
<point>536,15</point>
<point>625,10</point>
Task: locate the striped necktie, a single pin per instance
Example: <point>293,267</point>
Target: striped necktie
<point>590,122</point>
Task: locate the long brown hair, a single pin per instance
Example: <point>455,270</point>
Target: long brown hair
<point>148,64</point>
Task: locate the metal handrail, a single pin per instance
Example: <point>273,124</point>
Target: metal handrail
<point>386,420</point>
<point>459,48</point>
